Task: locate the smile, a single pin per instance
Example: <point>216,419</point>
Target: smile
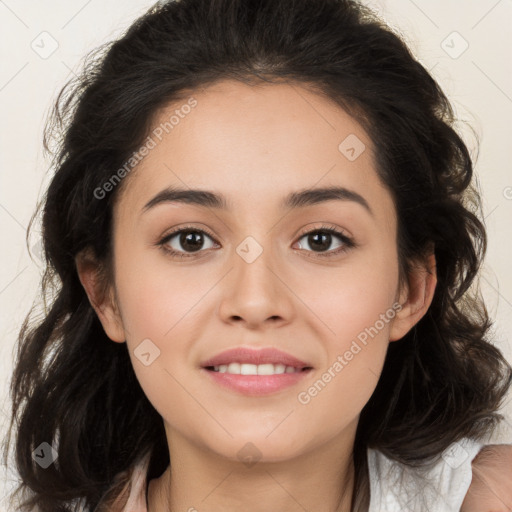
<point>255,369</point>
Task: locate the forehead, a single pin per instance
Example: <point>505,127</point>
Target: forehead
<point>255,142</point>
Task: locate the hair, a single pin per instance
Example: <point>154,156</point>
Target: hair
<point>76,390</point>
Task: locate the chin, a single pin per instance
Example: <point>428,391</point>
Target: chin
<point>256,445</point>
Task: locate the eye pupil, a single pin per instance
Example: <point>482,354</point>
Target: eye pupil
<point>320,245</point>
<point>187,239</point>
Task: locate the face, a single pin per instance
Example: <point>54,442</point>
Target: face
<point>257,273</point>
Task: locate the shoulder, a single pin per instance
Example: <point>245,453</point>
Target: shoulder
<point>440,484</point>
<point>491,485</point>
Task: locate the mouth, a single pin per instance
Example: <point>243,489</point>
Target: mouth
<point>256,371</point>
<point>251,361</point>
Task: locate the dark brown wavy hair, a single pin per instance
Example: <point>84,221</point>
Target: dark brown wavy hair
<point>76,390</point>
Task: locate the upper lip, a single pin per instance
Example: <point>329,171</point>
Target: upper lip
<point>255,356</point>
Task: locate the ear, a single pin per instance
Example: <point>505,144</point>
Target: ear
<point>415,297</point>
<point>102,299</point>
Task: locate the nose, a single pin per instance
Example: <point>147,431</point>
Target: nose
<point>255,292</point>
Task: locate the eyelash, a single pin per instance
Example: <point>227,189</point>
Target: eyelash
<point>348,243</point>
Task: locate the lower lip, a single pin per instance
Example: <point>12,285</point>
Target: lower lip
<point>257,385</point>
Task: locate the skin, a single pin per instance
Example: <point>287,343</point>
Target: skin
<point>269,141</point>
<point>491,486</point>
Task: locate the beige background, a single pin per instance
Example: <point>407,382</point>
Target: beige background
<point>477,80</point>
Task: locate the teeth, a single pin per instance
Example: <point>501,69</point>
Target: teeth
<point>255,369</point>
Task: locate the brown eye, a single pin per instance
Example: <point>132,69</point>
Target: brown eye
<point>186,241</point>
<point>320,241</point>
<point>191,240</point>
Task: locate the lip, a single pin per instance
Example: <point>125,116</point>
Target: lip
<point>256,385</point>
<point>255,356</point>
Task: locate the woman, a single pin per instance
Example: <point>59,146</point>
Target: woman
<point>264,233</point>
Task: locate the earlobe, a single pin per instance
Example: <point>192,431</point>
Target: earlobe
<point>103,301</point>
<point>415,298</point>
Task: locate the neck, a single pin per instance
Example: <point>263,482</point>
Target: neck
<point>320,480</point>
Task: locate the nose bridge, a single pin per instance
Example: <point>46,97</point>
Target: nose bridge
<point>254,261</point>
<point>255,291</point>
<point>257,237</point>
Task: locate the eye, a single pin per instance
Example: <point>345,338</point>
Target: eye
<point>321,239</point>
<point>189,238</point>
<point>186,241</point>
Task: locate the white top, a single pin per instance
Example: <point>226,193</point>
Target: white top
<point>394,487</point>
<point>441,486</point>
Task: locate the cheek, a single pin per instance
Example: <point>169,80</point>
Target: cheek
<point>339,392</point>
<point>156,294</point>
<point>159,312</point>
<point>349,299</point>
<point>356,306</point>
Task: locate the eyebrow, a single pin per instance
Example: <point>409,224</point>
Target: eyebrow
<point>298,199</point>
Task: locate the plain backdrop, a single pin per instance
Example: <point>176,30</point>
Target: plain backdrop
<point>466,45</point>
